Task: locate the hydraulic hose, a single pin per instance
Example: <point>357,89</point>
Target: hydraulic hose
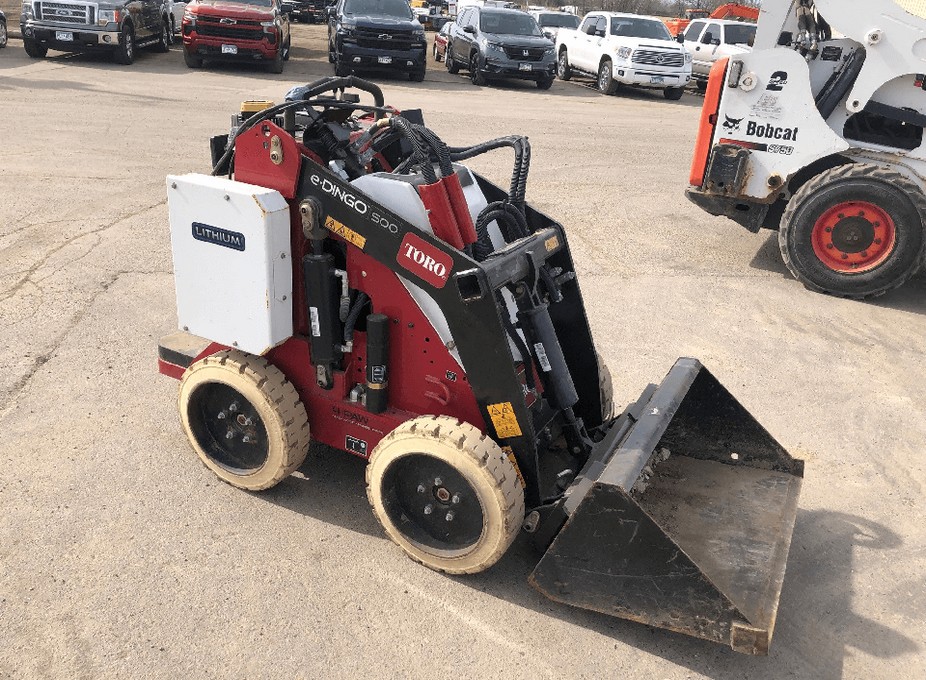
<point>353,315</point>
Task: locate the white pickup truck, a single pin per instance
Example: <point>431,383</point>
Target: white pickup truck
<point>624,49</point>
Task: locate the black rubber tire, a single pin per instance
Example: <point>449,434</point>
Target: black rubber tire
<point>331,55</point>
<point>163,43</point>
<point>276,64</point>
<point>452,66</point>
<point>434,53</point>
<point>416,76</point>
<point>545,83</point>
<point>287,49</point>
<point>701,85</point>
<point>173,29</point>
<point>268,394</point>
<point>605,82</point>
<point>488,475</point>
<point>673,93</point>
<point>563,69</point>
<point>191,60</point>
<point>475,75</point>
<point>125,51</point>
<point>605,389</point>
<point>34,49</point>
<point>887,189</point>
<point>341,70</point>
<point>4,36</point>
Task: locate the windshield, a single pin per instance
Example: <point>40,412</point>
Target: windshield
<point>740,35</point>
<point>640,28</point>
<point>397,9</point>
<point>508,23</point>
<point>559,20</point>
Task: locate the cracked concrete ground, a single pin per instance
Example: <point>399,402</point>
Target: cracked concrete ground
<point>121,556</point>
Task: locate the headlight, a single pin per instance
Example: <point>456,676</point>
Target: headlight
<point>624,52</point>
<point>549,50</point>
<point>687,57</point>
<point>493,45</point>
<point>347,30</point>
<point>268,24</point>
<point>189,16</point>
<point>107,16</point>
<point>26,12</point>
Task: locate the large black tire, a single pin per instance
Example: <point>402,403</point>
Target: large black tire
<point>191,60</point>
<point>563,69</point>
<point>3,35</point>
<point>34,49</point>
<point>854,231</point>
<point>434,52</point>
<point>125,50</point>
<point>416,76</point>
<point>275,65</point>
<point>446,494</point>
<point>244,419</point>
<point>673,93</point>
<point>450,62</point>
<point>475,75</point>
<point>605,81</point>
<point>287,49</point>
<point>701,85</point>
<point>163,43</point>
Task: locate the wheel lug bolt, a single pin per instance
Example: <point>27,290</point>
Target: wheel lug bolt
<point>221,415</point>
<point>233,406</point>
<point>229,434</point>
<point>421,488</point>
<point>877,224</point>
<point>840,215</point>
<point>456,499</point>
<point>449,516</point>
<point>845,257</point>
<point>878,241</point>
<point>861,213</point>
<point>428,509</point>
<point>246,439</point>
<point>829,245</point>
<point>828,230</point>
<point>864,253</point>
<point>438,481</point>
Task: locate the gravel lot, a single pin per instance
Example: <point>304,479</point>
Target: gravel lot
<point>122,556</point>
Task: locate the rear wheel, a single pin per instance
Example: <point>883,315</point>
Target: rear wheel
<point>563,70</point>
<point>606,82</point>
<point>34,49</point>
<point>475,75</point>
<point>446,494</point>
<point>673,93</point>
<point>435,53</point>
<point>701,85</point>
<point>191,60</point>
<point>244,419</point>
<point>163,43</point>
<point>854,231</point>
<point>125,51</point>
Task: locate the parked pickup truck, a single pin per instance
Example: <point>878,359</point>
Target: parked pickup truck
<point>710,40</point>
<point>624,49</point>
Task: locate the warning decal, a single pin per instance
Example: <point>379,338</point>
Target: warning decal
<point>345,232</point>
<point>504,420</point>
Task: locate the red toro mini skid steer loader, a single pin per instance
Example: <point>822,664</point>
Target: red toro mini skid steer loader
<point>356,281</point>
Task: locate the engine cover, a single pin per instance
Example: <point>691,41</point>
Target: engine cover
<point>232,261</point>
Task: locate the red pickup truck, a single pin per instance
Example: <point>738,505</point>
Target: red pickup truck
<point>236,30</point>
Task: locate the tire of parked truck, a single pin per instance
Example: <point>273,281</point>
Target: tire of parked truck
<point>276,65</point>
<point>673,93</point>
<point>125,51</point>
<point>545,83</point>
<point>475,75</point>
<point>34,49</point>
<point>606,82</point>
<point>287,49</point>
<point>417,76</point>
<point>191,60</point>
<point>434,52</point>
<point>701,85</point>
<point>449,62</point>
<point>163,43</point>
<point>3,35</point>
<point>563,69</point>
<point>341,70</point>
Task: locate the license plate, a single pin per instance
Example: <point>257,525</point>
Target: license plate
<point>384,60</point>
<point>229,49</point>
<point>525,67</point>
<point>64,36</point>
<point>657,79</point>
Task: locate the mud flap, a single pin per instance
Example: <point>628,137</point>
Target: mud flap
<point>681,519</point>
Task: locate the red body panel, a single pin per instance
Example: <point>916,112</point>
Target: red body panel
<point>702,151</point>
<point>253,164</point>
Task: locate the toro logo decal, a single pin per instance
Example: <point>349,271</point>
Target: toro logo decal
<point>424,260</point>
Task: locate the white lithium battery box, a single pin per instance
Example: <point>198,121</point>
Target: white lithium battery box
<point>232,261</point>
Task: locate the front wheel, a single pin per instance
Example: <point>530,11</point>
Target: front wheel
<point>854,231</point>
<point>449,62</point>
<point>673,93</point>
<point>276,65</point>
<point>446,494</point>
<point>435,52</point>
<point>563,70</point>
<point>3,35</point>
<point>244,419</point>
<point>34,49</point>
<point>163,43</point>
<point>545,83</point>
<point>191,60</point>
<point>475,75</point>
<point>606,82</point>
<point>125,52</point>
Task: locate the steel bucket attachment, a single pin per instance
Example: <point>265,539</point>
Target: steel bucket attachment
<point>681,519</point>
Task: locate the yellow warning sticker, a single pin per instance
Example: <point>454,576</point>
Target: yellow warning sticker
<point>551,243</point>
<point>345,232</point>
<point>504,420</point>
<point>514,461</point>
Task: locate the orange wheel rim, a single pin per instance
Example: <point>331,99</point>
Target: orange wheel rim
<point>853,237</point>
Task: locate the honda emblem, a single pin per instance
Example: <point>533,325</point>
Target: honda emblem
<point>526,53</point>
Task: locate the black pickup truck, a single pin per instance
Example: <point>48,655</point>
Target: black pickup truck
<point>117,26</point>
<point>309,11</point>
<point>367,35</point>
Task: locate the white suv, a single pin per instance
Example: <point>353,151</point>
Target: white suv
<point>711,39</point>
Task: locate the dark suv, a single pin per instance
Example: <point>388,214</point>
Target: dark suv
<point>500,43</point>
<point>376,35</point>
<point>119,26</point>
<point>309,11</point>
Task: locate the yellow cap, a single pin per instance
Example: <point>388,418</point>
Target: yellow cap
<point>255,105</point>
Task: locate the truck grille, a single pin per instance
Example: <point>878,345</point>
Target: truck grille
<point>66,13</point>
<point>240,30</point>
<point>385,39</point>
<point>658,58</point>
<point>524,53</point>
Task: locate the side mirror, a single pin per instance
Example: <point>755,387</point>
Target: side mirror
<point>469,29</point>
<point>708,39</point>
<point>599,34</point>
<point>329,11</point>
<point>680,38</point>
<point>715,42</point>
